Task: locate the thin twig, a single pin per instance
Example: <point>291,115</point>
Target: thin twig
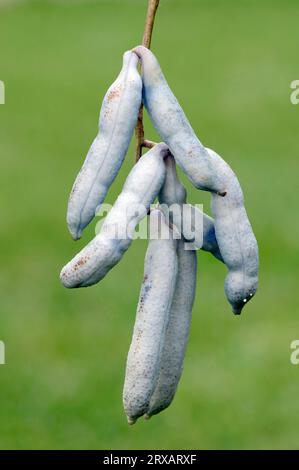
<point>149,22</point>
<point>146,41</point>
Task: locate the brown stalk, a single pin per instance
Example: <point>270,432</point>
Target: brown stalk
<point>146,41</point>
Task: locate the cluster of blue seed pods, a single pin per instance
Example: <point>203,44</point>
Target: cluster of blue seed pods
<point>156,355</point>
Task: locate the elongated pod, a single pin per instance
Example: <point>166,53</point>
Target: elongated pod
<point>195,226</point>
<point>142,186</point>
<point>173,126</point>
<point>236,240</point>
<point>144,358</point>
<point>177,331</point>
<point>118,118</point>
<point>178,327</point>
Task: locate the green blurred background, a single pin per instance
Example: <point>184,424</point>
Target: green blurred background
<point>231,64</point>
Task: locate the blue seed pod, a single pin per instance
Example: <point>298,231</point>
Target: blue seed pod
<point>107,248</point>
<point>177,332</point>
<point>118,118</point>
<point>236,240</point>
<point>152,318</point>
<point>178,327</point>
<point>173,126</point>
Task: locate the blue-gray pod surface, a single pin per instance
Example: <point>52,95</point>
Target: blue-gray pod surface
<point>141,188</point>
<point>236,240</point>
<point>184,215</point>
<point>152,317</point>
<point>118,118</point>
<point>178,327</point>
<point>173,126</point>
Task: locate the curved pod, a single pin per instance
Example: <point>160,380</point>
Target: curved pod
<point>177,332</point>
<point>178,327</point>
<point>236,240</point>
<point>144,358</point>
<point>118,118</point>
<point>141,187</point>
<point>173,126</point>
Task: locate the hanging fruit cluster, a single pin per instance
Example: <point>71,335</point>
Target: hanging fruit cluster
<point>157,351</point>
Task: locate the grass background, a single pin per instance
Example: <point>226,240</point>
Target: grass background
<point>231,64</point>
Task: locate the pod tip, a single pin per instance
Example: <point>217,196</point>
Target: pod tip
<point>63,278</point>
<point>131,421</point>
<point>237,310</point>
<point>75,232</point>
<point>66,280</point>
<point>76,236</point>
